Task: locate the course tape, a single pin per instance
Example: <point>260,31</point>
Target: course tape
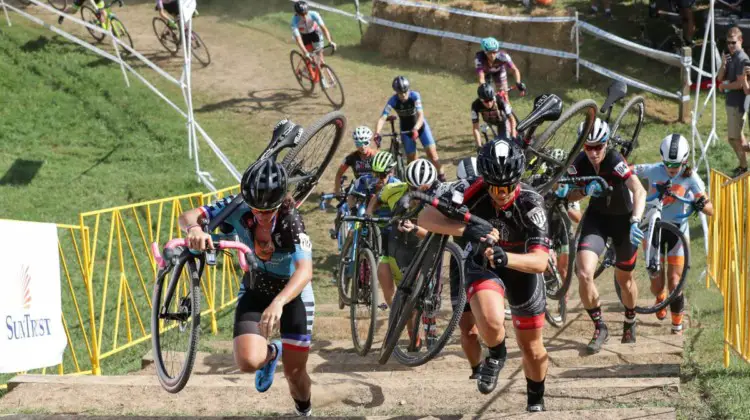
<point>453,10</point>
<point>630,81</point>
<point>665,57</point>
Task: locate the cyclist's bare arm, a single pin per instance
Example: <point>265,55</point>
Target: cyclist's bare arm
<point>326,33</point>
<point>576,195</point>
<point>434,221</point>
<point>708,209</point>
<point>575,215</point>
<point>372,205</point>
<point>190,222</point>
<point>517,74</point>
<point>165,16</point>
<point>477,134</point>
<point>639,195</point>
<point>481,76</point>
<point>513,124</point>
<point>303,271</point>
<point>337,183</point>
<point>420,120</point>
<point>534,262</point>
<point>379,125</point>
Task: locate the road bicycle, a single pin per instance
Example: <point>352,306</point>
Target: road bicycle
<point>92,14</point>
<point>308,74</point>
<point>176,302</point>
<point>395,148</point>
<point>170,37</point>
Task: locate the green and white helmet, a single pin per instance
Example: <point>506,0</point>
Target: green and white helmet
<point>383,162</point>
<point>558,154</point>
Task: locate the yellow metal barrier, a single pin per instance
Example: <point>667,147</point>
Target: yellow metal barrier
<point>728,259</point>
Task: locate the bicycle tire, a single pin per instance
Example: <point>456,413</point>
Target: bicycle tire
<point>119,31</point>
<point>197,44</point>
<point>177,383</point>
<point>601,267</point>
<point>363,347</point>
<point>638,106</point>
<point>295,59</point>
<point>166,35</point>
<point>295,162</point>
<point>678,289</point>
<point>572,252</point>
<point>325,68</point>
<point>458,309</point>
<point>557,318</point>
<point>87,12</point>
<point>345,287</point>
<point>57,4</point>
<point>588,108</point>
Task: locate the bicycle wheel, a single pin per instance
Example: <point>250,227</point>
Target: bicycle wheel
<point>563,134</point>
<point>437,309</point>
<point>557,309</point>
<point>345,273</point>
<point>628,126</point>
<point>200,50</point>
<point>332,87</point>
<point>641,274</point>
<point>175,323</point>
<point>311,156</point>
<point>364,304</point>
<point>89,15</point>
<point>606,260</point>
<point>58,4</point>
<point>166,36</point>
<point>302,71</point>
<point>119,32</point>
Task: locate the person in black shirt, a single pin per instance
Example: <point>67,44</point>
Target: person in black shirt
<point>511,268</point>
<point>615,215</point>
<point>494,109</point>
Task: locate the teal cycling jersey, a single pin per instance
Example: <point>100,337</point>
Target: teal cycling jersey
<point>691,187</point>
<point>291,243</point>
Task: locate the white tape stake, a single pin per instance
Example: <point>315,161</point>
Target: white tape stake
<point>6,12</point>
<point>119,58</point>
<point>630,81</point>
<point>452,10</point>
<point>668,58</point>
<point>578,48</point>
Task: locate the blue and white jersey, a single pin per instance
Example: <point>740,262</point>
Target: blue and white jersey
<point>406,110</point>
<point>306,25</point>
<point>291,243</point>
<point>691,187</point>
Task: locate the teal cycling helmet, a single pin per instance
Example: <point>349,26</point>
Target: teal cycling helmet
<point>490,44</point>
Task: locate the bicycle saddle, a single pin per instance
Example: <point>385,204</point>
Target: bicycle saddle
<point>286,131</point>
<point>615,92</point>
<point>547,107</point>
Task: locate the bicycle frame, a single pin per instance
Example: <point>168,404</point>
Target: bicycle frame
<point>313,69</point>
<point>653,215</point>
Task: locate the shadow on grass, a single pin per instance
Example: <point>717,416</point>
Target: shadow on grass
<point>21,172</point>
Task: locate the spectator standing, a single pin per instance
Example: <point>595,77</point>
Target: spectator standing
<point>731,76</point>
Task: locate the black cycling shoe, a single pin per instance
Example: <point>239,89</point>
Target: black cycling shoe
<point>535,408</point>
<point>487,374</point>
<point>601,335</point>
<point>628,332</point>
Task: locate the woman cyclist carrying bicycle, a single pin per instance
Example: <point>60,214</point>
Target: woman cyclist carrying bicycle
<point>276,294</point>
<point>516,260</point>
<point>615,215</point>
<point>674,171</point>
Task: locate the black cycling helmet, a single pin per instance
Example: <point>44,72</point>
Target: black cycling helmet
<point>486,92</point>
<point>401,84</point>
<point>300,7</point>
<point>264,185</point>
<point>501,162</point>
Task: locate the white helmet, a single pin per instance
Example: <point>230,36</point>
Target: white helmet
<point>420,172</point>
<point>558,154</point>
<point>599,134</point>
<point>362,136</point>
<point>467,168</point>
<point>674,149</point>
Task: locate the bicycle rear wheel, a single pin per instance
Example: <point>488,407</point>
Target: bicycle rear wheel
<point>57,4</point>
<point>641,272</point>
<point>175,323</point>
<point>628,126</point>
<point>119,32</point>
<point>364,302</point>
<point>557,309</point>
<point>437,308</point>
<point>332,87</point>
<point>89,15</point>
<point>562,134</point>
<point>166,36</point>
<point>311,156</point>
<point>200,50</point>
<point>302,71</point>
<point>346,272</point>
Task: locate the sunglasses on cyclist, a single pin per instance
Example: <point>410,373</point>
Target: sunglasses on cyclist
<point>264,212</point>
<point>501,189</point>
<point>596,148</point>
<point>672,165</point>
<point>382,175</point>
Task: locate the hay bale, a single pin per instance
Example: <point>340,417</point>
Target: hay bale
<point>426,48</point>
<point>374,33</point>
<point>395,42</point>
<point>550,69</point>
<point>454,54</point>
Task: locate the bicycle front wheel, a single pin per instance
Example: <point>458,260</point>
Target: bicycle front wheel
<point>332,87</point>
<point>58,4</point>
<point>346,272</point>
<point>563,135</point>
<point>200,50</point>
<point>643,274</point>
<point>119,32</point>
<point>89,15</point>
<point>364,301</point>
<point>438,313</point>
<point>175,323</point>
<point>557,309</point>
<point>302,71</point>
<point>166,36</point>
<point>308,160</point>
<point>628,127</point>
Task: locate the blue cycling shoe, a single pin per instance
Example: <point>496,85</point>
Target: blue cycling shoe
<point>264,376</point>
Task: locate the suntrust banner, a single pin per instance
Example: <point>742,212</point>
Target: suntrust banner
<point>31,331</point>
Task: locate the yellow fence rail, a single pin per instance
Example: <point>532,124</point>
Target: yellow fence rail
<point>729,257</point>
<point>108,271</point>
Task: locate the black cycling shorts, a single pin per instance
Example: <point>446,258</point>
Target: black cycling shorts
<point>525,292</point>
<point>172,8</point>
<point>296,318</point>
<point>597,228</point>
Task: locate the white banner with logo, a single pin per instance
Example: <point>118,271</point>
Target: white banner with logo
<point>30,302</point>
